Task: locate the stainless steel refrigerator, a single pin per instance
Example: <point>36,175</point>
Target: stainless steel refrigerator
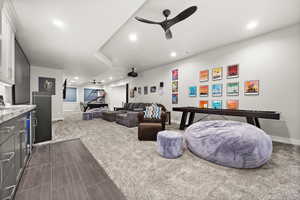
<point>43,130</point>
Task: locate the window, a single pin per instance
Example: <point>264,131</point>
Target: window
<point>71,95</point>
<point>90,94</point>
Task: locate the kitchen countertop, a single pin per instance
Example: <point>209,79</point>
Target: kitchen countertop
<point>10,112</point>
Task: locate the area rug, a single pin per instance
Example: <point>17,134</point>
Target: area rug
<point>141,174</point>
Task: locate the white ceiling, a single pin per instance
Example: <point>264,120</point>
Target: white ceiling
<point>216,23</point>
<point>88,24</point>
<point>93,27</point>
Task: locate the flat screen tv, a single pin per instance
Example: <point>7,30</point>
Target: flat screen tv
<point>21,89</point>
<point>64,89</point>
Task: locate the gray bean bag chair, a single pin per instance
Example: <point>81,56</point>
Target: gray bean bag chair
<point>229,143</point>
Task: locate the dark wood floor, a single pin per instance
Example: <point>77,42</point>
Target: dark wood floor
<point>65,171</point>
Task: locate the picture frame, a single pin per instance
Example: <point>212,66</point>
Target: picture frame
<point>174,86</point>
<point>232,71</point>
<point>216,104</point>
<point>233,89</point>
<point>217,90</point>
<point>251,87</point>
<point>204,75</point>
<point>193,91</point>
<point>153,89</point>
<point>203,90</point>
<point>145,90</point>
<point>203,104</point>
<point>217,73</point>
<point>233,104</point>
<point>174,98</point>
<point>139,90</point>
<point>175,75</point>
<point>47,85</point>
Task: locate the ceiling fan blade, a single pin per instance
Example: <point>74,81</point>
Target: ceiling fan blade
<point>146,20</point>
<point>169,34</point>
<point>182,16</point>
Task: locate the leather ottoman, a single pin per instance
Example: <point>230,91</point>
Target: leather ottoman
<point>148,131</point>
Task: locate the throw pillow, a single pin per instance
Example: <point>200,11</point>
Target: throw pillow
<point>152,112</point>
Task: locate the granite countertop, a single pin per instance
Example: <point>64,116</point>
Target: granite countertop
<point>10,112</point>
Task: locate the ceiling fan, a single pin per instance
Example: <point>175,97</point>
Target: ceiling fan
<point>95,82</point>
<point>167,23</point>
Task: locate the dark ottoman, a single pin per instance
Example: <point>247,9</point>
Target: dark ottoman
<point>109,115</point>
<point>148,131</point>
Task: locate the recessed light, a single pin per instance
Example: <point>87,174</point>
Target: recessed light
<point>72,81</point>
<point>133,37</point>
<point>252,25</point>
<point>173,54</point>
<point>110,78</point>
<point>76,77</point>
<point>103,81</point>
<point>58,23</point>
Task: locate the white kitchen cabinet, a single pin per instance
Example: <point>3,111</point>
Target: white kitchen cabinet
<point>7,68</point>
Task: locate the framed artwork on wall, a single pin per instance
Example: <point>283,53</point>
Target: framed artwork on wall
<point>193,91</point>
<point>233,89</point>
<point>174,74</point>
<point>217,90</point>
<point>139,90</point>
<point>174,98</point>
<point>252,87</point>
<point>153,89</point>
<point>145,90</point>
<point>217,73</point>
<point>131,93</point>
<point>204,75</point>
<point>233,104</point>
<point>203,90</point>
<point>216,104</point>
<point>233,71</point>
<point>174,86</point>
<point>47,85</point>
<point>203,104</point>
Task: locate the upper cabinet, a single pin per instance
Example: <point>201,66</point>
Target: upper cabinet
<point>7,47</point>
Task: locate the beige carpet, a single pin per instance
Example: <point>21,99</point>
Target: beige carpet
<point>142,174</point>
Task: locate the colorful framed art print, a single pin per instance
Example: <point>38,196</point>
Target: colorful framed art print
<point>203,104</point>
<point>204,75</point>
<point>217,90</point>
<point>174,86</point>
<point>217,73</point>
<point>175,75</point>
<point>203,90</point>
<point>251,87</point>
<point>233,104</point>
<point>174,98</point>
<point>216,104</point>
<point>233,89</point>
<point>193,91</point>
<point>233,71</point>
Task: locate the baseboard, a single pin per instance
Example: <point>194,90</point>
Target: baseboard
<point>285,140</point>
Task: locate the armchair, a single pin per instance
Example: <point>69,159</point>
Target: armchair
<point>149,127</point>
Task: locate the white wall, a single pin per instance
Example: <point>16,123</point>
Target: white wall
<point>274,59</point>
<point>75,106</point>
<point>116,96</point>
<point>57,100</point>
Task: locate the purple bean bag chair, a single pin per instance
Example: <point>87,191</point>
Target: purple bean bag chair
<point>229,143</point>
